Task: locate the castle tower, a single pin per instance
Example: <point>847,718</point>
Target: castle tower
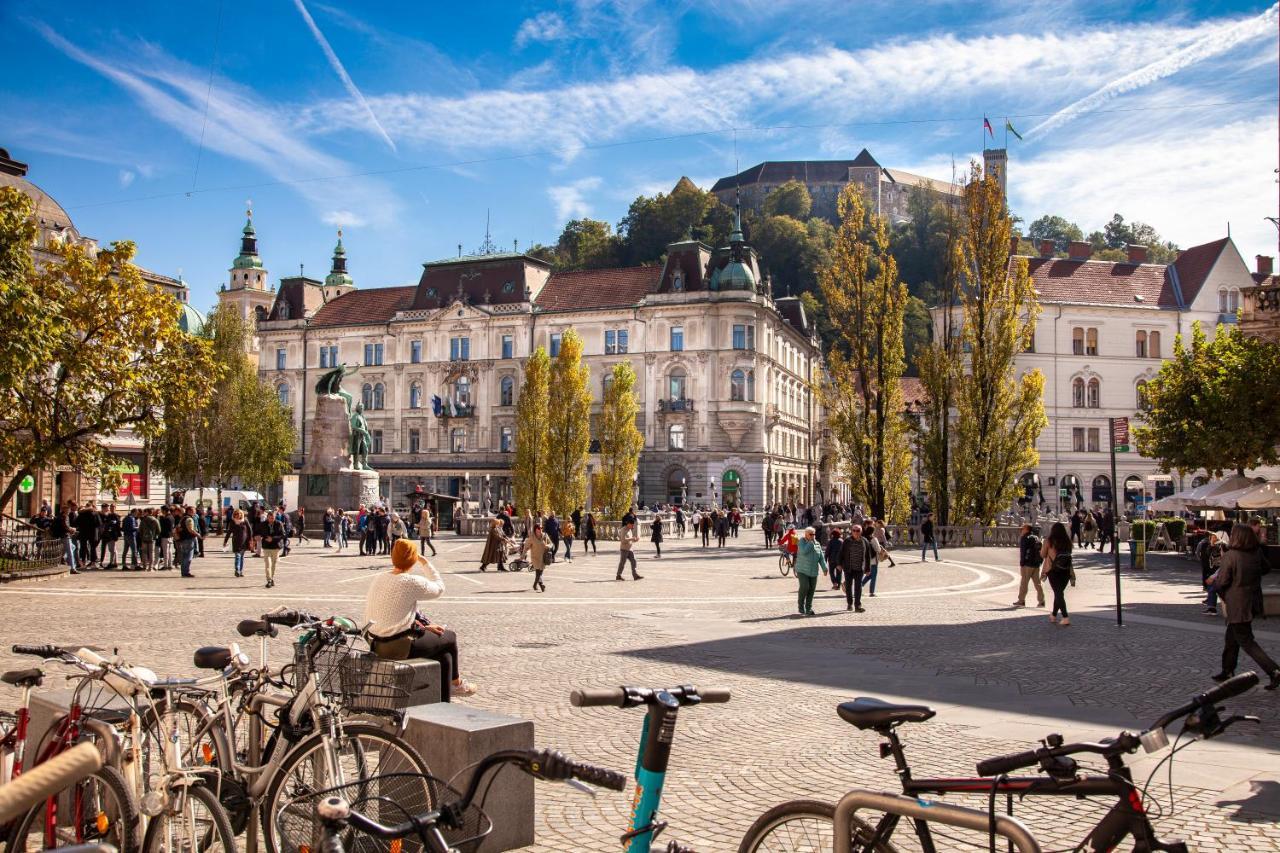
<point>995,162</point>
<point>338,281</point>
<point>248,289</point>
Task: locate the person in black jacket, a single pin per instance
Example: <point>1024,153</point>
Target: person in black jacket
<point>87,526</point>
<point>551,527</point>
<point>63,528</point>
<point>587,533</point>
<point>240,534</point>
<point>1029,562</point>
<point>165,539</point>
<point>855,565</point>
<point>109,535</point>
<point>835,545</point>
<point>926,539</point>
<point>1239,580</point>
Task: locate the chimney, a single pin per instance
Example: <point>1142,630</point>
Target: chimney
<point>1264,265</point>
<point>1079,250</point>
<point>1046,248</point>
<point>1013,243</point>
<point>1137,253</point>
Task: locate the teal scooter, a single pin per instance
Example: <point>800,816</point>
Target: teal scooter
<point>655,750</point>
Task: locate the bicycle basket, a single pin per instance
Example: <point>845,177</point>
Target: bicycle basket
<point>361,682</point>
<point>389,799</point>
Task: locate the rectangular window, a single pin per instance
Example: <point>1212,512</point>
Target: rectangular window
<point>610,342</point>
<point>1091,342</point>
<point>677,338</point>
<point>1093,440</point>
<point>458,440</point>
<point>555,344</point>
<point>507,439</point>
<point>622,340</point>
<point>1077,439</point>
<point>333,355</point>
<point>324,356</point>
<point>373,354</point>
<point>744,336</point>
<point>415,440</point>
<point>1030,344</point>
<point>376,442</point>
<point>280,356</point>
<point>508,346</point>
<point>415,352</point>
<point>459,349</point>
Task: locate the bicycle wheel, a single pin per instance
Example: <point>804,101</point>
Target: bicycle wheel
<point>804,826</point>
<point>363,752</point>
<point>98,809</point>
<point>194,822</point>
<point>784,565</point>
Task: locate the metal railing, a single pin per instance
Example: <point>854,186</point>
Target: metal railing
<point>25,548</point>
<point>1005,826</point>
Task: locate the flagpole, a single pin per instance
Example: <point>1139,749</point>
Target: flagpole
<point>1006,133</point>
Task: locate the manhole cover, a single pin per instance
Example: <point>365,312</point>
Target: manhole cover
<point>534,645</point>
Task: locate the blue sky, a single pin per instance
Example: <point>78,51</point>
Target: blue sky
<point>405,122</point>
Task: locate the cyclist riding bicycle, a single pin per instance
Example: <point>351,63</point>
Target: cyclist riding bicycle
<point>790,542</point>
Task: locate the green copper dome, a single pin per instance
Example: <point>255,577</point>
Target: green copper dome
<point>338,275</point>
<point>248,258</point>
<point>737,276</point>
<point>190,320</point>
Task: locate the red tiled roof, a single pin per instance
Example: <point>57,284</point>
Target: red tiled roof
<point>1193,267</point>
<point>365,307</point>
<point>609,288</point>
<point>913,393</point>
<point>1101,282</point>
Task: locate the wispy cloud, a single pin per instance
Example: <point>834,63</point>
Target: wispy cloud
<point>126,178</point>
<point>542,27</point>
<point>1212,44</point>
<point>342,219</point>
<point>341,71</point>
<point>570,199</point>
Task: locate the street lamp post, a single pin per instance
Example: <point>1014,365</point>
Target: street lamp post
<point>684,492</point>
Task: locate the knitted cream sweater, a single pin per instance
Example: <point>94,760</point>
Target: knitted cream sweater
<point>393,599</point>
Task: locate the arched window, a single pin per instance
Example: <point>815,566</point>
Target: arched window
<point>1140,346</point>
<point>675,437</point>
<point>1233,300</point>
<point>1077,341</point>
<point>1153,345</point>
<point>259,314</point>
<point>1198,481</point>
<point>366,395</point>
<point>1141,388</point>
<point>1077,393</point>
<point>1091,342</point>
<point>415,396</point>
<point>462,391</point>
<point>751,385</point>
<point>677,384</point>
<point>1101,492</point>
<point>282,392</point>
<point>738,385</point>
<point>1222,300</point>
<point>1094,396</point>
<point>506,391</point>
<point>379,396</point>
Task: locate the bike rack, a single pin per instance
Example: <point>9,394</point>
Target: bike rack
<point>1010,828</point>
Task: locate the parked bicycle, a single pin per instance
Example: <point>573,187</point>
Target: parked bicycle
<point>655,750</point>
<point>429,815</point>
<point>61,773</point>
<point>808,824</point>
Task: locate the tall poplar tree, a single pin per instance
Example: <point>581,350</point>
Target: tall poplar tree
<point>999,414</point>
<point>620,442</point>
<point>568,427</point>
<point>531,466</point>
<point>866,302</point>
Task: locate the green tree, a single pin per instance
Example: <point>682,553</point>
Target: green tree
<point>240,430</point>
<point>109,357</point>
<point>531,468</point>
<point>1204,410</point>
<point>653,223</point>
<point>999,414</point>
<point>1055,228</point>
<point>587,244</point>
<point>917,327</point>
<point>27,321</point>
<point>791,199</point>
<point>620,442</point>
<point>864,394</point>
<point>1117,234</point>
<point>568,427</point>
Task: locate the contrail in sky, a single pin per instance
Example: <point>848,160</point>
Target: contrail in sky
<point>342,72</point>
<point>1218,42</point>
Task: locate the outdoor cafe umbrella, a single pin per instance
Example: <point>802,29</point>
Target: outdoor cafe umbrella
<point>1260,496</point>
<point>1218,494</point>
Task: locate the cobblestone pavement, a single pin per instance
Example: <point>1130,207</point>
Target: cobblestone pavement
<point>940,632</point>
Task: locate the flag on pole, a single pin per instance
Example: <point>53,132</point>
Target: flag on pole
<point>986,124</point>
<point>1008,125</point>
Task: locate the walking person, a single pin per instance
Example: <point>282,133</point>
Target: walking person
<point>1029,562</point>
<point>64,529</point>
<point>539,547</point>
<point>187,534</point>
<point>655,535</point>
<point>927,539</point>
<point>129,536</point>
<point>272,536</point>
<point>1056,561</point>
<point>809,562</point>
<point>680,522</point>
<point>204,524</point>
<point>855,565</point>
<point>425,522</point>
<point>567,530</point>
<point>834,545</point>
<point>589,533</point>
<point>706,529</point>
<point>722,528</point>
<point>342,529</point>
<point>86,527</point>
<point>1239,582</point>
<point>302,525</point>
<point>627,539</point>
<point>551,527</point>
<point>148,533</point>
<point>240,534</point>
<point>495,547</point>
<point>1089,530</point>
<point>328,526</point>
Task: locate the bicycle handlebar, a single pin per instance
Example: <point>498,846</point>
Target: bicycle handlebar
<point>42,651</point>
<point>46,779</point>
<point>1127,742</point>
<point>629,697</point>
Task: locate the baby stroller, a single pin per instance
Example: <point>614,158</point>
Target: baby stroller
<point>515,562</point>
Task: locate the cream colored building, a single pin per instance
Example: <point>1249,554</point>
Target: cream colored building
<point>724,369</point>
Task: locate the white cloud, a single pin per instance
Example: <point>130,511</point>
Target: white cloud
<point>343,219</point>
<point>126,178</point>
<point>570,199</point>
<point>542,27</point>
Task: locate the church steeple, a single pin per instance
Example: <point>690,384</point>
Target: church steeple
<point>248,258</point>
<point>338,281</point>
<point>736,239</point>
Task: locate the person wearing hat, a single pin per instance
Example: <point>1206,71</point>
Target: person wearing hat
<point>396,629</point>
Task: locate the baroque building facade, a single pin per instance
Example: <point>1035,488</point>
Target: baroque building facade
<point>724,370</point>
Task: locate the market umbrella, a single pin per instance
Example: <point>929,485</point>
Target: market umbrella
<point>1212,495</point>
<point>1261,496</point>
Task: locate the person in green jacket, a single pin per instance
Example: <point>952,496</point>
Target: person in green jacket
<point>809,561</point>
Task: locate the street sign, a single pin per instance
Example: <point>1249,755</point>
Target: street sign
<point>1120,434</point>
<point>28,483</point>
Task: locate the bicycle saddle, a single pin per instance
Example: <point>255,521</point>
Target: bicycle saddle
<point>23,677</point>
<point>868,713</point>
<point>212,657</point>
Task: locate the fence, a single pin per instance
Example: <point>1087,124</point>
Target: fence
<point>26,550</point>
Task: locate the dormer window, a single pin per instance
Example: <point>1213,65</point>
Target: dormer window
<point>677,281</point>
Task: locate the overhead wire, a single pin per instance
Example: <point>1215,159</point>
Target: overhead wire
<point>208,96</point>
<point>622,143</point>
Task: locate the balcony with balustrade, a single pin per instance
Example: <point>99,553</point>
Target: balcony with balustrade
<point>1260,311</point>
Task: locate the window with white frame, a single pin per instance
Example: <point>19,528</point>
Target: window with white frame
<point>615,341</point>
<point>507,439</point>
<point>508,346</point>
<point>459,349</point>
<point>373,354</point>
<point>1077,439</point>
<point>462,391</point>
<point>506,391</point>
<point>1093,394</point>
<point>1092,440</point>
<point>457,440</point>
<point>675,437</point>
<point>375,441</point>
<point>677,384</point>
<point>415,396</point>
<point>280,358</point>
<point>677,338</point>
<point>415,440</point>
<point>738,384</point>
<point>282,392</point>
<point>744,336</point>
<point>1222,300</point>
<point>555,339</point>
<point>1077,393</point>
<point>415,352</point>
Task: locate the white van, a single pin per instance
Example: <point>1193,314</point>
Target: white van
<point>237,498</point>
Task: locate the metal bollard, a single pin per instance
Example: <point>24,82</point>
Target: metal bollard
<point>1005,826</point>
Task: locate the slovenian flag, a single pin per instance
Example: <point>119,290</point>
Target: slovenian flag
<point>987,124</point>
<point>1008,125</point>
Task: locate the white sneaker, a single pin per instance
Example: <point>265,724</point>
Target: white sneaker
<point>1066,620</point>
<point>1053,617</point>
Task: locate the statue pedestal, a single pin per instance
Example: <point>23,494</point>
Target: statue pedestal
<point>328,480</point>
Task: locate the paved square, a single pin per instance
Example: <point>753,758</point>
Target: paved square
<point>940,633</point>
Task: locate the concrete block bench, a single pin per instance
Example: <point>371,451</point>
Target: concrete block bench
<point>451,736</point>
<point>427,682</point>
